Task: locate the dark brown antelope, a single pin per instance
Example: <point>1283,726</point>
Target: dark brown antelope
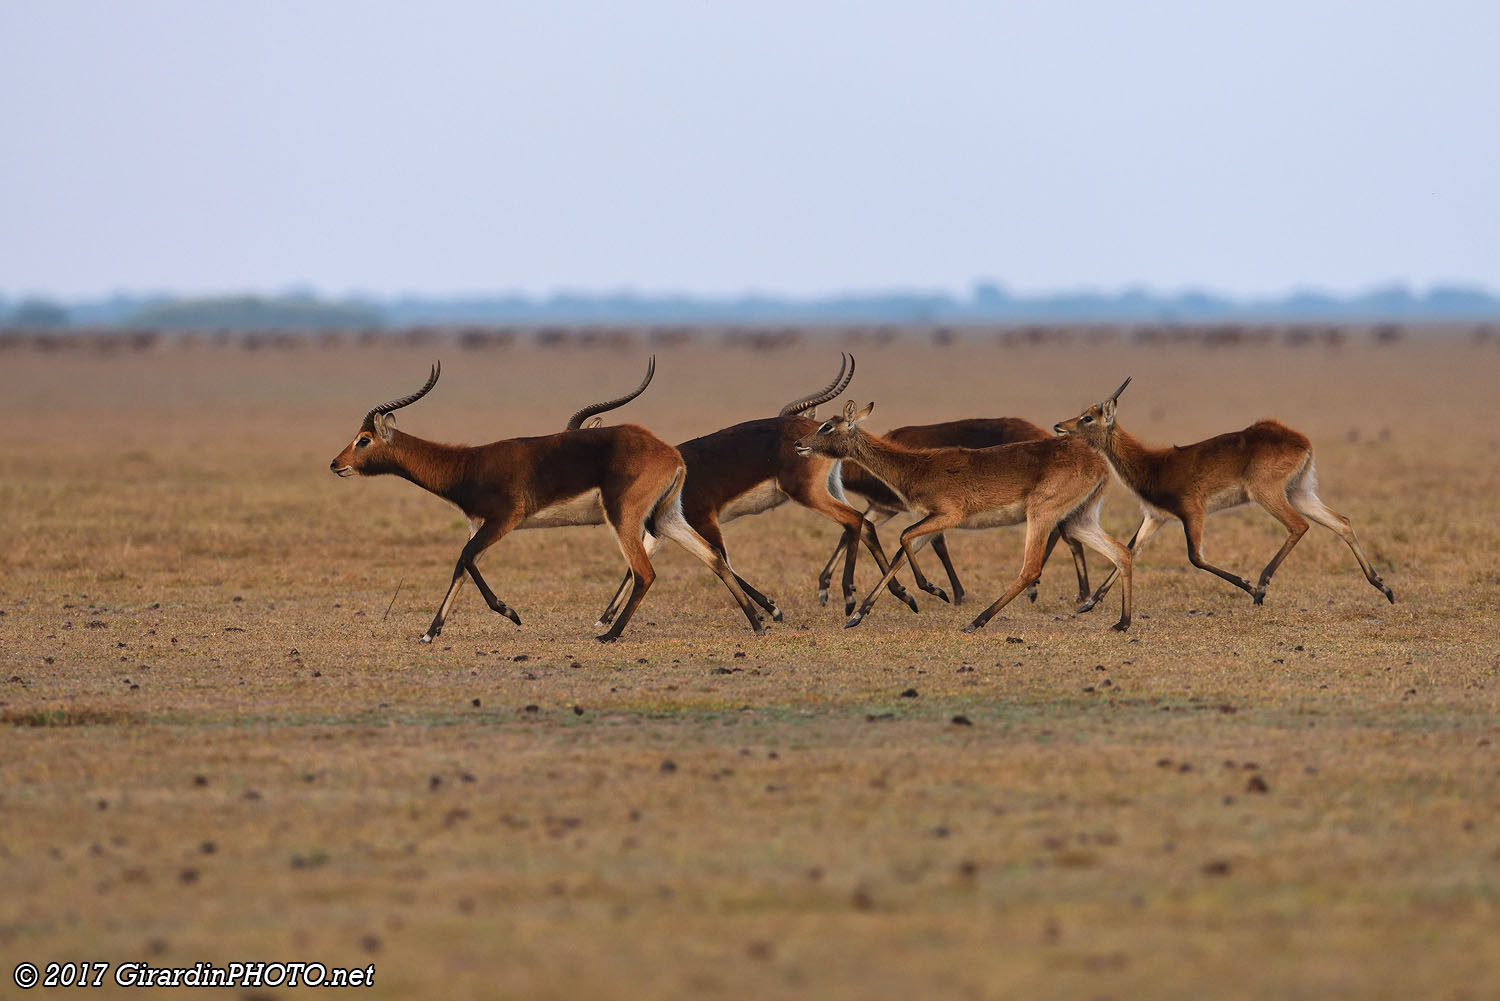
<point>882,504</point>
<point>1053,485</point>
<point>752,467</point>
<point>1267,463</point>
<point>624,475</point>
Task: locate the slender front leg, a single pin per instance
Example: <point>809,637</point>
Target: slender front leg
<point>825,579</point>
<point>1031,569</point>
<point>940,546</point>
<point>933,523</point>
<point>1192,528</point>
<point>615,603</point>
<point>487,535</point>
<point>1080,567</point>
<point>872,543</point>
<point>916,571</point>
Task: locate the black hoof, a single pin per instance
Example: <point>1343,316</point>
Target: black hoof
<point>849,606</point>
<point>1086,606</point>
<point>512,616</point>
<point>937,592</point>
<point>1258,596</point>
<point>972,627</point>
<point>606,638</point>
<point>1031,594</point>
<point>776,613</point>
<point>822,595</point>
<point>910,601</point>
<point>1388,595</point>
<point>1121,626</point>
<point>854,620</point>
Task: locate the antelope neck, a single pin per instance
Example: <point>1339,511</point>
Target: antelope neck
<point>1133,460</point>
<point>433,466</point>
<point>885,460</point>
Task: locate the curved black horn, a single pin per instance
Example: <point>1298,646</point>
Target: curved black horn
<point>1116,394</point>
<point>405,401</point>
<point>834,388</point>
<point>576,421</point>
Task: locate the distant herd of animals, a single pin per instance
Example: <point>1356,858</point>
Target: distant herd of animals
<point>976,473</point>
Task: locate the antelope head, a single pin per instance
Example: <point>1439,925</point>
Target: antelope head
<point>1096,423</point>
<point>838,438</point>
<point>366,453</point>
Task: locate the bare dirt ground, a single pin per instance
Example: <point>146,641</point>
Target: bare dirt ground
<point>221,742</point>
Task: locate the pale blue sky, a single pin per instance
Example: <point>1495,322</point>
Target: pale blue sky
<point>712,147</point>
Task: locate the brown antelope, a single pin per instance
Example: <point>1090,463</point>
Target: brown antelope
<point>624,475</point>
<point>752,467</point>
<point>882,504</point>
<point>1054,485</point>
<point>1267,463</point>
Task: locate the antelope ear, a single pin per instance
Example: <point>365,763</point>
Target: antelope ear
<point>1107,413</point>
<point>385,425</point>
<point>865,412</point>
<point>849,412</point>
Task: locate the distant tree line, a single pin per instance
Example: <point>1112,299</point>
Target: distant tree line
<point>988,302</point>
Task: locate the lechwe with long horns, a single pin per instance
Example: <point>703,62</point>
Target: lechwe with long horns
<point>882,504</point>
<point>1053,485</point>
<point>624,475</point>
<point>1267,463</point>
<point>751,468</point>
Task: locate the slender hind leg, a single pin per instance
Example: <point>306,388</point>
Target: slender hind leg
<point>1276,502</point>
<point>628,532</point>
<point>707,526</point>
<point>671,524</point>
<point>1150,522</point>
<point>1085,527</point>
<point>623,591</point>
<point>1303,496</point>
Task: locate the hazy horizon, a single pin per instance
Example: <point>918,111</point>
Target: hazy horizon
<point>799,151</point>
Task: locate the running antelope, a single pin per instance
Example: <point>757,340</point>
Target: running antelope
<point>623,475</point>
<point>1054,485</point>
<point>882,504</point>
<point>752,467</point>
<point>1267,463</point>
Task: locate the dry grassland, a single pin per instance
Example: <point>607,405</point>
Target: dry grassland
<point>222,742</point>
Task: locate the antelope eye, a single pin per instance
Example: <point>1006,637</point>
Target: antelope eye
<point>362,442</point>
<point>827,428</point>
<point>1087,419</point>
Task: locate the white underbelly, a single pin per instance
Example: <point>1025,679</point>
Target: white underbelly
<point>761,497</point>
<point>1011,514</point>
<point>585,509</point>
<point>1226,498</point>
